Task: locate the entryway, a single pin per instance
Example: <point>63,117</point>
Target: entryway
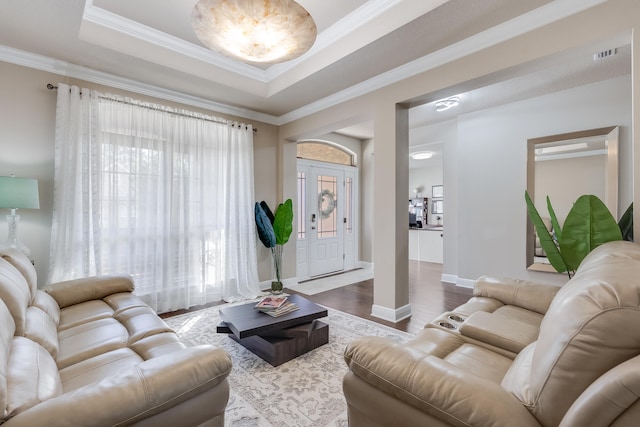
<point>327,218</point>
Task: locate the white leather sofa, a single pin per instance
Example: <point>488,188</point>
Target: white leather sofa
<point>88,352</point>
<point>582,368</point>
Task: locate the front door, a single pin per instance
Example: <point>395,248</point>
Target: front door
<point>326,215</point>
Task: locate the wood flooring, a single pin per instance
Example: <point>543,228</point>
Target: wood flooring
<point>428,297</point>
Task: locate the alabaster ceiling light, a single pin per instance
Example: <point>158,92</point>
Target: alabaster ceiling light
<point>263,31</point>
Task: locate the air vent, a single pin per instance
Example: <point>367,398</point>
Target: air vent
<point>604,54</point>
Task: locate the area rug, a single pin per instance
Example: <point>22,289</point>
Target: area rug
<point>322,284</point>
<point>306,391</point>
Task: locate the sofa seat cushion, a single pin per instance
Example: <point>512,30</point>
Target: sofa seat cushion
<point>157,345</point>
<point>123,301</point>
<point>97,368</point>
<point>480,362</point>
<point>141,322</point>
<point>32,376</point>
<point>84,312</point>
<point>41,328</point>
<point>509,327</point>
<point>478,304</point>
<point>89,340</point>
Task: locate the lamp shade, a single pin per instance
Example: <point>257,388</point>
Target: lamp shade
<point>19,193</point>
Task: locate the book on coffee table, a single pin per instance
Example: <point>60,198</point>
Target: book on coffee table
<point>285,308</point>
<point>270,303</point>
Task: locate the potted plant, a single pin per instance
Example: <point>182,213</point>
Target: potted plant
<point>274,231</point>
<point>588,225</point>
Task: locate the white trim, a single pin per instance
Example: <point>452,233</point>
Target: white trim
<point>366,265</point>
<point>455,280</point>
<point>465,283</point>
<point>390,314</point>
<point>448,278</point>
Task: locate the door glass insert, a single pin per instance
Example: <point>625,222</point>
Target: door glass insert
<point>348,206</point>
<point>302,205</point>
<point>327,207</point>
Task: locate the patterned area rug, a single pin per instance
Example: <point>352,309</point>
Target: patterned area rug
<point>306,391</point>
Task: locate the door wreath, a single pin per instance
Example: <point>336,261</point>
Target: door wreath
<point>330,205</point>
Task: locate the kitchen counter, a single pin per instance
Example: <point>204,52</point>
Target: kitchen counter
<point>426,247</point>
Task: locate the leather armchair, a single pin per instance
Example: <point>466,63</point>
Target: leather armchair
<point>581,369</point>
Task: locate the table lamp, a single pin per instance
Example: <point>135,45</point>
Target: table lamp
<point>18,193</point>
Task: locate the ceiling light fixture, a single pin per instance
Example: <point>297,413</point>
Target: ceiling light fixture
<point>264,31</point>
<point>421,155</point>
<point>445,104</point>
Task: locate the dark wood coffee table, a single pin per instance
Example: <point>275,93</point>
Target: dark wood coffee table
<point>276,339</point>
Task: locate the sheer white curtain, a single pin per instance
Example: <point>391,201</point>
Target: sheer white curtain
<point>164,195</point>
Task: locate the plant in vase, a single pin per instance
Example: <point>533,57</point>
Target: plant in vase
<point>274,231</point>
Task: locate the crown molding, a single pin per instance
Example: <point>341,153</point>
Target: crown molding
<point>551,12</point>
<point>113,22</point>
<point>537,18</point>
<point>66,69</point>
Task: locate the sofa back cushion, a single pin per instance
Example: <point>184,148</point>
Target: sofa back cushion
<point>6,337</point>
<point>22,263</point>
<point>32,376</point>
<point>15,293</point>
<point>590,327</point>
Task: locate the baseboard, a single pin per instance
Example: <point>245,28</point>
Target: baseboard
<point>452,278</point>
<point>448,278</point>
<point>465,283</point>
<point>389,314</point>
<point>364,264</point>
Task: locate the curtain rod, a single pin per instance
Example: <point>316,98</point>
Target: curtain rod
<point>255,130</point>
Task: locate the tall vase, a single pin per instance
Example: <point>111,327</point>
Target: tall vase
<point>276,283</point>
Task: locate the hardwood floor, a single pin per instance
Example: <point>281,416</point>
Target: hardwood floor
<point>428,297</point>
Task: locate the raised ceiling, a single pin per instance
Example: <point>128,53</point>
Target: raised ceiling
<point>148,46</point>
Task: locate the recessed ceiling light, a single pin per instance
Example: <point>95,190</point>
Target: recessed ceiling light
<point>421,155</point>
<point>445,104</point>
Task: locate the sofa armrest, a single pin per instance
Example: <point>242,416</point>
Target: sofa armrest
<point>136,393</point>
<point>75,291</point>
<point>521,293</point>
<point>433,385</point>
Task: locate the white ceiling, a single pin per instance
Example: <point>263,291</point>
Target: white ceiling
<point>147,46</point>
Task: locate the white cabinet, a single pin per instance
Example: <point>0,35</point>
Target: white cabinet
<point>426,245</point>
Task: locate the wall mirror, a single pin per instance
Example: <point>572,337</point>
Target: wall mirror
<point>565,167</point>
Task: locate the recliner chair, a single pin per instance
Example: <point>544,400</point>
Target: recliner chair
<point>582,370</point>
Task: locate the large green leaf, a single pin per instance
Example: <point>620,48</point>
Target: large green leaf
<point>546,241</point>
<point>283,222</point>
<point>626,224</point>
<point>557,230</point>
<point>588,225</point>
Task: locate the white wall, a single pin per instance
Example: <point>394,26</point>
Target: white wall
<point>491,162</point>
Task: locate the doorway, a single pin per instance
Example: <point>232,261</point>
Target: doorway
<point>327,219</point>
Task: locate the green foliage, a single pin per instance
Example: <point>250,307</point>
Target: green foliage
<point>626,224</point>
<point>274,229</point>
<point>283,222</point>
<point>546,241</point>
<point>588,225</point>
